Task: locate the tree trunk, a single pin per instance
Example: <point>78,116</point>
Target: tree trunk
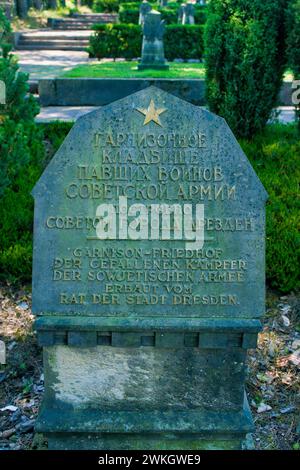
<point>52,4</point>
<point>22,8</point>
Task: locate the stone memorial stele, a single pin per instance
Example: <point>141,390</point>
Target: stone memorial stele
<point>145,8</point>
<point>153,56</point>
<point>188,15</point>
<point>148,279</point>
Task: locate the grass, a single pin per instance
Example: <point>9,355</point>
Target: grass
<point>122,69</point>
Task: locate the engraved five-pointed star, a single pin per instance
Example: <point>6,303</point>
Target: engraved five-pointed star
<point>151,113</point>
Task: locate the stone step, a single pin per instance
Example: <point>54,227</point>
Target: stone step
<point>39,47</point>
<point>57,43</point>
<point>58,35</point>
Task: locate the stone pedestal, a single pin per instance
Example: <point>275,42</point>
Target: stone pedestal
<point>145,389</point>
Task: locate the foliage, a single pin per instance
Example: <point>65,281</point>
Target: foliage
<point>129,13</point>
<point>20,148</point>
<point>245,61</point>
<point>188,40</point>
<point>107,6</point>
<point>16,208</point>
<point>125,40</point>
<point>275,156</point>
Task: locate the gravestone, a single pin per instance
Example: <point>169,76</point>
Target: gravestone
<point>188,16</point>
<point>145,8</point>
<point>148,279</point>
<point>153,56</point>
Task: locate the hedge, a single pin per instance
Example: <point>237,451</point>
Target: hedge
<point>129,13</point>
<point>245,61</point>
<point>125,40</point>
<point>293,45</point>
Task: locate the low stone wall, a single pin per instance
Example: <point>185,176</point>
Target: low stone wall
<point>102,91</point>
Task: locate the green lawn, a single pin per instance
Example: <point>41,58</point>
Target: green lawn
<point>129,70</point>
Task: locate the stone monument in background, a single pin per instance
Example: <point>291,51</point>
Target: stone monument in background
<point>153,56</point>
<point>181,10</point>
<point>148,279</point>
<point>145,8</point>
<point>188,14</point>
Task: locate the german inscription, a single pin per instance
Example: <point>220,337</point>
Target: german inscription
<point>149,208</point>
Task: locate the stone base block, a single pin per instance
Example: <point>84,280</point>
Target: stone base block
<point>80,441</point>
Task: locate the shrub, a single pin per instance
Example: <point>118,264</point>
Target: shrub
<point>18,135</point>
<point>121,40</point>
<point>21,150</point>
<point>107,6</point>
<point>125,40</point>
<point>245,61</point>
<point>16,208</point>
<point>188,40</point>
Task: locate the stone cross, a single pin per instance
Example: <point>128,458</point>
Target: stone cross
<point>145,8</point>
<point>153,48</point>
<point>188,14</point>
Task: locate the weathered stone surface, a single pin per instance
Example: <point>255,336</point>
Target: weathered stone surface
<point>185,156</point>
<point>146,378</point>
<point>148,279</point>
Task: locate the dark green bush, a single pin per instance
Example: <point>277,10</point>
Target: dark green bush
<point>275,156</point>
<point>125,40</point>
<point>116,40</point>
<point>245,61</point>
<point>21,150</point>
<point>16,207</point>
<point>188,40</point>
<point>18,136</point>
